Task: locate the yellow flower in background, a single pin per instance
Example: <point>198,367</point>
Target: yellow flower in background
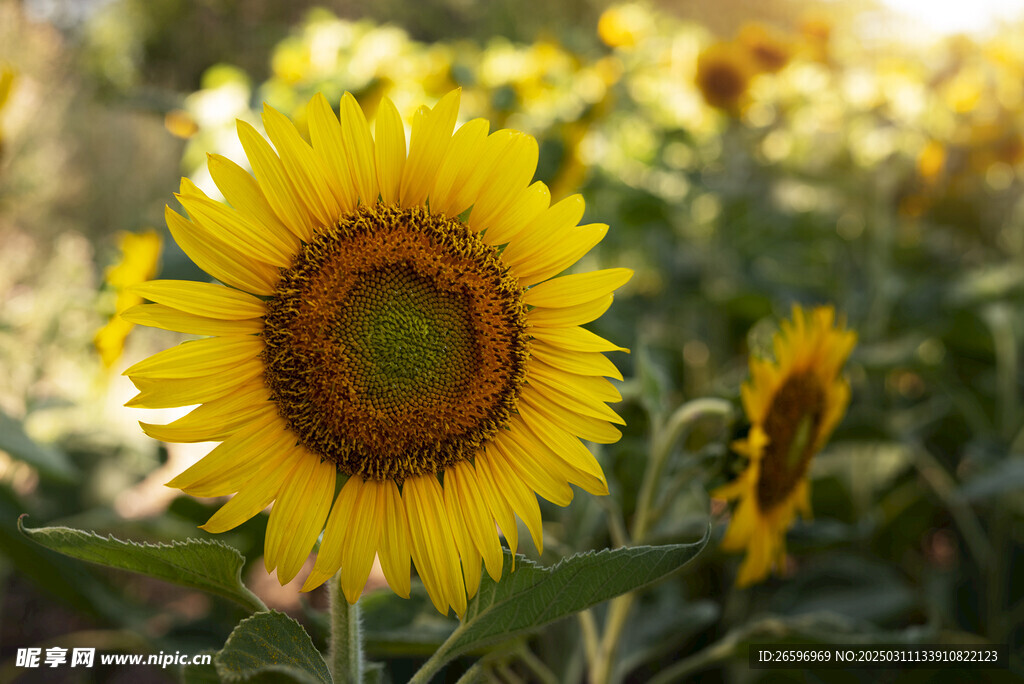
<point>723,75</point>
<point>7,78</point>
<point>367,333</point>
<point>931,160</point>
<point>140,256</point>
<point>770,48</point>
<point>623,26</point>
<point>793,403</point>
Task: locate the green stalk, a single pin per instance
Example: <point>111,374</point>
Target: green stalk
<point>663,442</point>
<point>346,651</point>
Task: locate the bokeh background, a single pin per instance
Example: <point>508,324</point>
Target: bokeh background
<point>748,155</point>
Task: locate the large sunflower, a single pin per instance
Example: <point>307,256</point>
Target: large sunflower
<point>793,403</point>
<point>389,320</point>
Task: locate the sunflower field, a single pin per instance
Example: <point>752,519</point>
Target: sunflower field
<point>510,342</point>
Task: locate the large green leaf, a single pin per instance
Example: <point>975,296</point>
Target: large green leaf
<point>532,596</point>
<point>210,566</point>
<point>48,461</point>
<point>270,646</point>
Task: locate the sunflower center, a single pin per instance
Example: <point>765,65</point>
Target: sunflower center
<point>792,426</point>
<point>395,343</point>
<point>725,82</point>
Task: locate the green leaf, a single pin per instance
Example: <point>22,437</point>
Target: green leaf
<point>210,566</point>
<point>48,461</point>
<point>533,596</point>
<point>271,646</point>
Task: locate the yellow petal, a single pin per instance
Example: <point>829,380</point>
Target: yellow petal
<point>530,203</point>
<point>580,403</point>
<point>325,134</point>
<point>572,383</point>
<point>231,464</point>
<point>389,146</point>
<point>330,556</point>
<point>581,363</point>
<point>242,192</point>
<point>168,393</point>
<point>235,229</point>
<point>202,299</point>
<point>273,181</point>
<point>218,419</point>
<point>306,170</point>
<point>198,357</point>
<point>576,289</point>
<point>433,546</point>
<point>531,468</point>
<point>591,429</point>
<point>497,503</point>
<point>452,193</point>
<point>358,145</point>
<point>393,549</point>
<point>566,447</point>
<point>359,545</point>
<point>570,315</point>
<point>544,232</point>
<point>569,249</point>
<point>574,339</point>
<point>465,488</point>
<point>507,482</point>
<point>512,172</point>
<point>257,493</point>
<point>468,553</point>
<point>428,143</point>
<point>166,318</point>
<point>298,515</point>
<point>217,258</point>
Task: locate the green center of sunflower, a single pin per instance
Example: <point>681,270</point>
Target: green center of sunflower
<point>792,426</point>
<point>395,343</point>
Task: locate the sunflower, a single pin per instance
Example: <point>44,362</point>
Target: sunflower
<point>723,75</point>
<point>140,257</point>
<point>793,404</point>
<point>388,322</point>
<point>770,48</point>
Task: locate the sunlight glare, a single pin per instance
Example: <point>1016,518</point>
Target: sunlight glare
<point>954,16</point>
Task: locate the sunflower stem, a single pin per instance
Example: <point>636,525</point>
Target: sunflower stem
<point>346,650</point>
<point>663,442</point>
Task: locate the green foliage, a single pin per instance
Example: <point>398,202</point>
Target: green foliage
<point>209,566</point>
<point>532,596</point>
<point>272,647</point>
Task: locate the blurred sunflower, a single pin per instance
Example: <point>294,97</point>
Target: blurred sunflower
<point>793,404</point>
<point>769,47</point>
<point>140,256</point>
<point>723,75</point>
<point>369,333</point>
<point>8,75</point>
<point>623,26</point>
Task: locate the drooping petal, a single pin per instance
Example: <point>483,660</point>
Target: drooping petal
<point>433,545</point>
<point>299,513</point>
